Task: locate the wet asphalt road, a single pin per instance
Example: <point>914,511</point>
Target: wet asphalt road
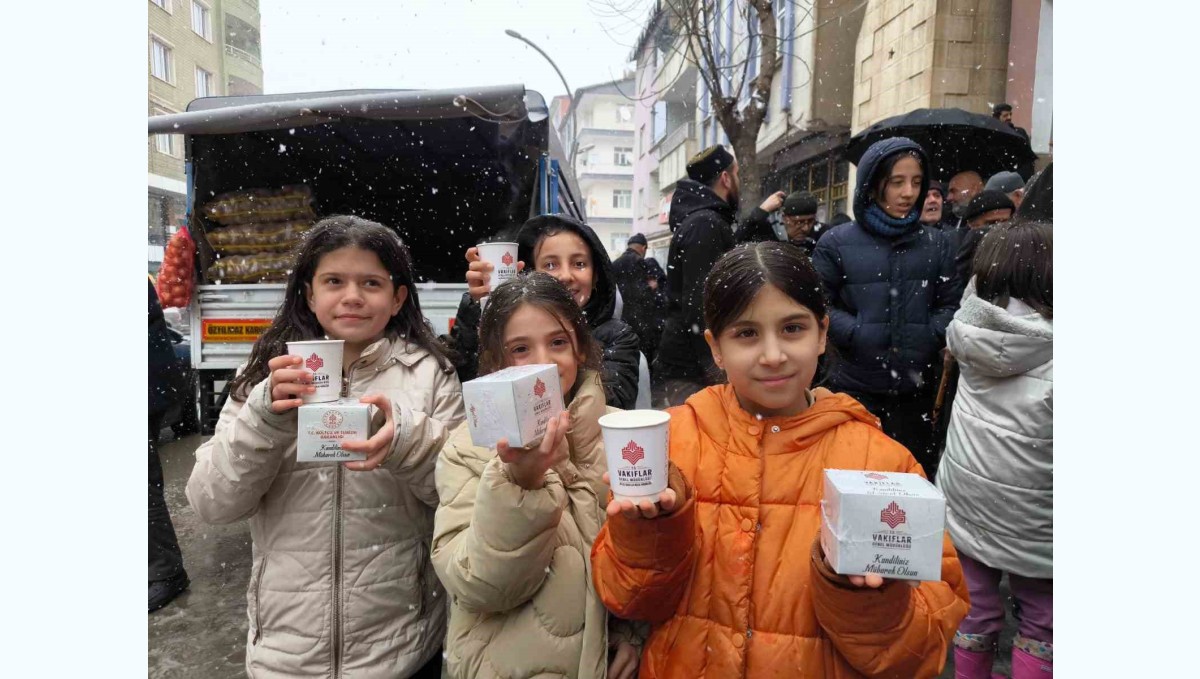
<point>202,633</point>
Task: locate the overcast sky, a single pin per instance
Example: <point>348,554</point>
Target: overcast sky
<point>312,45</point>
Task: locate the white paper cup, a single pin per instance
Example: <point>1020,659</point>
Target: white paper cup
<point>503,256</point>
<point>635,445</point>
<point>324,359</point>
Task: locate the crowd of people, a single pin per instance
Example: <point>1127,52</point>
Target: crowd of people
<point>777,354</point>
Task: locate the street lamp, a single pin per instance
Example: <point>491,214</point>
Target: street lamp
<point>570,96</point>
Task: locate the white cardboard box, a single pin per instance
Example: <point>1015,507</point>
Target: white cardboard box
<point>323,427</point>
<point>886,523</point>
<point>515,403</point>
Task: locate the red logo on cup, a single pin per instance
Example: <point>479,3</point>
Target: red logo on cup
<point>507,259</point>
<point>893,516</point>
<point>314,363</point>
<point>332,419</point>
<point>873,475</point>
<point>633,453</point>
<point>539,388</point>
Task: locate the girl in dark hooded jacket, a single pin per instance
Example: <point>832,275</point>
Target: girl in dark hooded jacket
<point>570,251</point>
<point>891,286</point>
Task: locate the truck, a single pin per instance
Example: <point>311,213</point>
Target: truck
<point>445,168</point>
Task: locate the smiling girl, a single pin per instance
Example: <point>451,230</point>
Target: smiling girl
<point>515,526</point>
<point>570,252</point>
<point>727,565</point>
<point>341,583</point>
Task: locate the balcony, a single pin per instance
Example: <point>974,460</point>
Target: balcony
<point>242,54</point>
<point>605,171</point>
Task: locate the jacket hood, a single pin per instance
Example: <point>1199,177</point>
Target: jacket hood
<point>829,411</point>
<point>600,306</point>
<point>690,196</point>
<point>997,342</point>
<point>871,161</point>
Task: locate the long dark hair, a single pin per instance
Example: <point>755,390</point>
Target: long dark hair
<point>296,322</point>
<point>1016,260</point>
<point>544,292</point>
<point>740,273</point>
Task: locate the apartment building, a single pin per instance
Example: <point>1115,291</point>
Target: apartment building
<point>604,156</point>
<point>195,48</point>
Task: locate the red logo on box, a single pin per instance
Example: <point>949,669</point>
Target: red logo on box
<point>633,453</point>
<point>893,516</point>
<point>314,363</point>
<point>332,419</point>
<point>539,388</point>
<point>876,476</point>
<point>507,259</point>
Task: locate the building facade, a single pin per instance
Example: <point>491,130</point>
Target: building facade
<point>196,48</point>
<point>604,156</point>
<point>968,54</point>
<point>843,65</point>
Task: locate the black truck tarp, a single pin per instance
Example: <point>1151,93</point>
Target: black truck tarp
<point>445,168</point>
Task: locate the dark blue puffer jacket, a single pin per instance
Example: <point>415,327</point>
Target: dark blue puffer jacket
<point>890,298</point>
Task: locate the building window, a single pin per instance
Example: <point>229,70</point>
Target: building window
<point>624,114</point>
<point>165,4</point>
<point>622,156</point>
<point>618,242</point>
<point>622,199</point>
<point>201,21</point>
<point>642,199</point>
<point>165,144</point>
<point>161,65</point>
<point>204,83</point>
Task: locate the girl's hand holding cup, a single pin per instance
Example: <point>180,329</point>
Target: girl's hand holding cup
<point>290,380</point>
<point>644,508</point>
<point>527,467</point>
<point>479,279</point>
<point>380,444</point>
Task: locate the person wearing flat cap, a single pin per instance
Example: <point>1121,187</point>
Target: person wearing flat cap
<point>704,209</point>
<point>1010,184</point>
<point>799,215</point>
<point>984,210</point>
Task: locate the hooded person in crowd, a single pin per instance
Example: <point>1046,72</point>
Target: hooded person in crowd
<point>656,281</point>
<point>629,271</point>
<point>890,283</point>
<point>703,210</point>
<point>571,252</point>
<point>1009,183</point>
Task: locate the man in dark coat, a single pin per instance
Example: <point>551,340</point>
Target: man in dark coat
<point>986,209</point>
<point>703,210</point>
<point>629,271</point>
<point>167,381</point>
<point>892,295</point>
<point>799,215</point>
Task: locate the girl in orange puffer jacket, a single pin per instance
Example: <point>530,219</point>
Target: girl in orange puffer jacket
<point>727,565</point>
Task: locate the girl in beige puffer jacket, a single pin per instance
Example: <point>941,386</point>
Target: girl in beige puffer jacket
<point>341,585</point>
<point>514,530</point>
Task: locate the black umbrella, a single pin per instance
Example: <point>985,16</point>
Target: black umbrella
<point>955,140</point>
